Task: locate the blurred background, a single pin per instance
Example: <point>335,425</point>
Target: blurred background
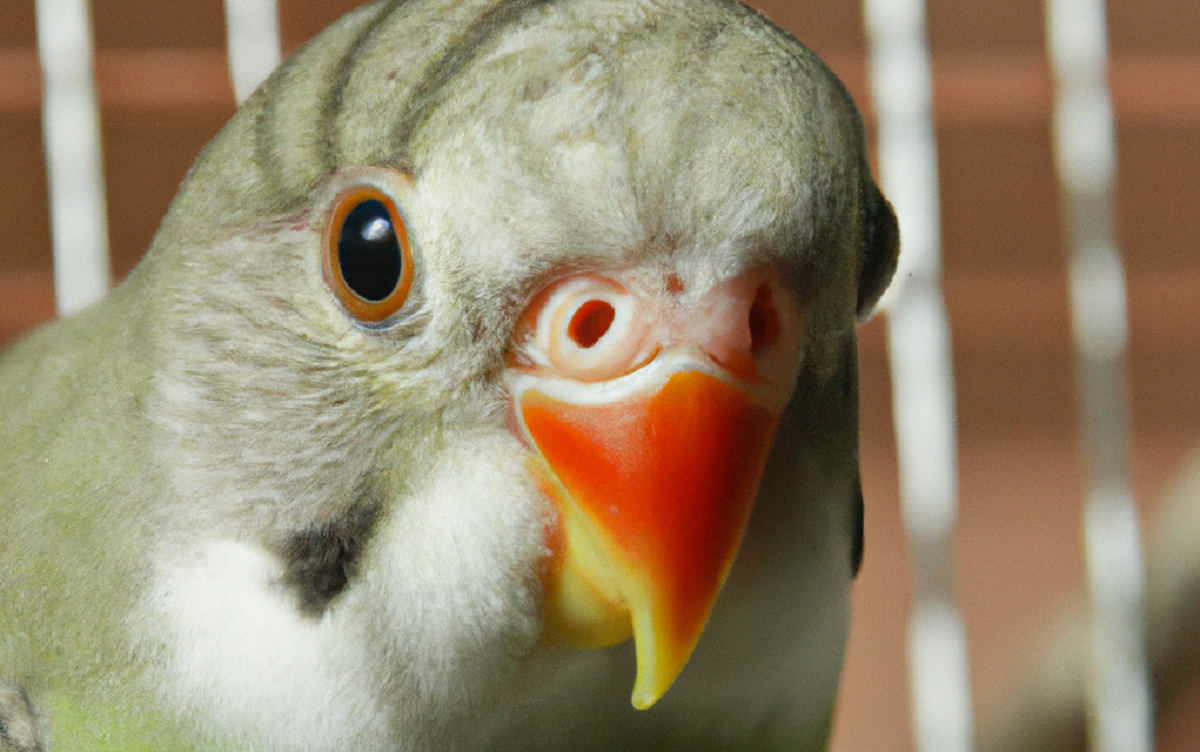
<point>163,87</point>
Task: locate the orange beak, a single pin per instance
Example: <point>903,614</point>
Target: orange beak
<point>654,486</point>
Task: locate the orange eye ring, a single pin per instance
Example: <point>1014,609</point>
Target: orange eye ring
<point>367,261</point>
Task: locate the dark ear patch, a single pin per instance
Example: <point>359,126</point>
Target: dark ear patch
<point>857,532</point>
<point>321,561</point>
<point>881,248</point>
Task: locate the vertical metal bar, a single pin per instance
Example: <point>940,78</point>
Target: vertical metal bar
<point>252,28</point>
<point>1120,712</point>
<point>922,372</point>
<point>71,133</point>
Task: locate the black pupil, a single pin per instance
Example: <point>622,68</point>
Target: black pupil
<point>369,253</point>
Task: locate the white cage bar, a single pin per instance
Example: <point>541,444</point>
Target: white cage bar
<point>922,373</point>
<point>1120,713</point>
<point>252,32</point>
<point>71,133</point>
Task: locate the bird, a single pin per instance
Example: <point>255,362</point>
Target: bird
<point>491,383</point>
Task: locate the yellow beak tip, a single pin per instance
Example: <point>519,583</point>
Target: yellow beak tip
<point>641,702</point>
<point>659,664</point>
<point>646,694</point>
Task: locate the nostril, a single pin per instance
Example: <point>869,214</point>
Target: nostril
<point>764,321</point>
<point>590,322</point>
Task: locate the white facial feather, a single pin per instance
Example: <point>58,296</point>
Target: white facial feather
<point>452,584</point>
<point>239,655</point>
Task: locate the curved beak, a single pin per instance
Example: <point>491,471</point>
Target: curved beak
<point>654,475</point>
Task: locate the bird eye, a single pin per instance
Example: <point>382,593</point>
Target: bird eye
<point>368,263</point>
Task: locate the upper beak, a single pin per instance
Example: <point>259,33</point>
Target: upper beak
<point>652,446</point>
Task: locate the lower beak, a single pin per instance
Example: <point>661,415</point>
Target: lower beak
<point>654,491</point>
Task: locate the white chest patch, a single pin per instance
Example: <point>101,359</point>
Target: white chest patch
<point>240,657</point>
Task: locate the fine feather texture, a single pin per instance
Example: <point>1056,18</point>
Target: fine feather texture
<point>238,519</point>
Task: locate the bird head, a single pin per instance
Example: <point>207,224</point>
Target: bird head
<point>486,321</point>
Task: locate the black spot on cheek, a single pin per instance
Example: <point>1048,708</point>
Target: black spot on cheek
<point>858,539</point>
<point>321,561</point>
